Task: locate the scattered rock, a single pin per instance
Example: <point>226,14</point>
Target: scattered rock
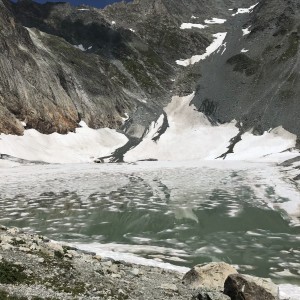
<point>203,294</point>
<point>171,287</point>
<point>135,272</point>
<point>211,276</point>
<point>245,287</point>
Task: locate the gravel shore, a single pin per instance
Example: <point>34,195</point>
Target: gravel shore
<point>33,267</point>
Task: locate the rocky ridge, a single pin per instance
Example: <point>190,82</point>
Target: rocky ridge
<point>63,64</point>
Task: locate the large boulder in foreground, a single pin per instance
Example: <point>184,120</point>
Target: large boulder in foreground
<point>211,276</point>
<point>245,287</point>
<point>205,294</point>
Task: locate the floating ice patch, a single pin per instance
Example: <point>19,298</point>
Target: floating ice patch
<point>192,25</point>
<point>217,42</point>
<point>244,50</point>
<point>215,21</point>
<point>289,292</point>
<point>82,146</point>
<point>246,30</point>
<point>245,10</point>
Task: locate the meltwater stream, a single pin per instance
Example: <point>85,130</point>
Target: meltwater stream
<point>181,213</point>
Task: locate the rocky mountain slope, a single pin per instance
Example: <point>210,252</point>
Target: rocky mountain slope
<point>62,64</point>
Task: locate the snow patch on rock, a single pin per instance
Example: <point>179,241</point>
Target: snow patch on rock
<point>245,10</point>
<point>192,25</point>
<point>215,21</point>
<point>217,42</point>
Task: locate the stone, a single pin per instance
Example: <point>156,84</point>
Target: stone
<point>68,255</point>
<point>13,230</point>
<point>6,239</point>
<point>245,287</point>
<point>41,260</point>
<point>211,276</point>
<point>4,228</point>
<point>135,272</point>
<point>169,286</point>
<point>97,257</point>
<point>6,247</point>
<point>114,269</point>
<point>207,294</point>
<point>55,247</point>
<point>24,249</point>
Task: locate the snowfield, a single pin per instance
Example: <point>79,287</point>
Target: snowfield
<point>84,145</point>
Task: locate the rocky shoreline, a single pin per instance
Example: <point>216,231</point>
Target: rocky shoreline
<point>34,267</point>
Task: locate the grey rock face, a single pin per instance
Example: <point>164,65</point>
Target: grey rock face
<point>127,65</point>
<point>51,85</point>
<point>259,87</point>
<point>245,287</point>
<point>211,276</point>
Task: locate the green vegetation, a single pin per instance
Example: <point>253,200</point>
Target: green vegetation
<point>5,296</point>
<point>11,273</point>
<point>292,49</point>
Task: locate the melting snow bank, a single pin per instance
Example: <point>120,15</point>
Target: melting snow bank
<point>125,253</point>
<point>84,145</point>
<point>217,43</point>
<point>191,135</point>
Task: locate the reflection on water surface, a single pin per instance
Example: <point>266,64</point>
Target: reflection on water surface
<point>185,215</point>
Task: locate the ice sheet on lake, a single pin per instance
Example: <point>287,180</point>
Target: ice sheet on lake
<point>84,145</point>
<point>217,42</point>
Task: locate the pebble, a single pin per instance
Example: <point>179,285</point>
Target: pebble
<point>135,272</point>
<point>168,286</point>
<point>7,246</point>
<point>24,249</point>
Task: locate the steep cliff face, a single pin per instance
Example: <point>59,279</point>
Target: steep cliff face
<point>84,66</point>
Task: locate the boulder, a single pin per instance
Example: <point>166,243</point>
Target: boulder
<point>245,287</point>
<point>211,276</point>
